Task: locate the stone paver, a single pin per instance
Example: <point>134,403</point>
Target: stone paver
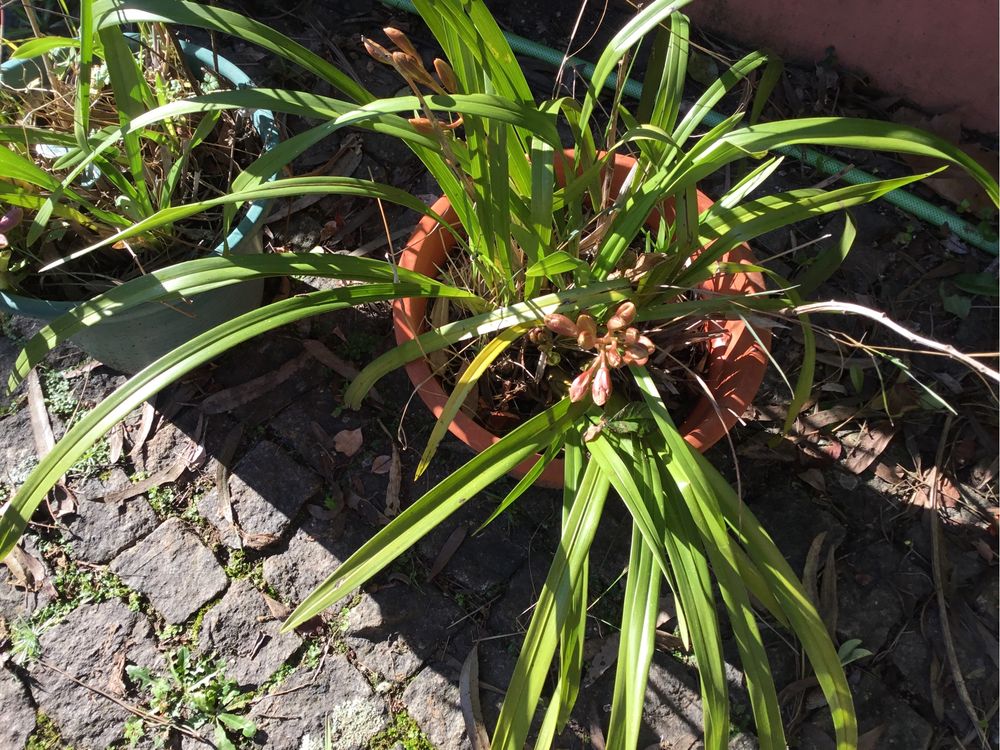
<point>388,639</point>
<point>337,694</point>
<point>433,700</point>
<point>173,569</point>
<point>17,602</point>
<point>242,629</point>
<point>267,488</point>
<point>93,644</point>
<point>18,715</point>
<point>99,531</point>
<point>314,552</point>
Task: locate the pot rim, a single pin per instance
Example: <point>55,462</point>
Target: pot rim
<point>734,373</point>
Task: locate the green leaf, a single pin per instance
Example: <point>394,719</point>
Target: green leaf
<point>202,275</point>
<point>983,284</point>
<point>555,602</point>
<point>827,261</point>
<point>957,304</point>
<point>531,311</point>
<point>42,46</point>
<point>240,723</point>
<point>186,13</point>
<point>636,645</point>
<point>466,381</point>
<point>554,263</point>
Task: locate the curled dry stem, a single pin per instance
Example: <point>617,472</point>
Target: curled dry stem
<point>884,320</point>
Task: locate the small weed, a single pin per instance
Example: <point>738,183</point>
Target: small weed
<point>403,730</point>
<point>46,735</point>
<point>360,346</point>
<point>162,500</point>
<point>194,692</point>
<point>96,462</point>
<point>59,397</point>
<point>25,647</point>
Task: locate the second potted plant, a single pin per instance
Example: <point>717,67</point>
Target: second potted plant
<point>60,97</point>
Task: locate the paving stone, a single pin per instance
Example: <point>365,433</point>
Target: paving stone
<point>315,551</point>
<point>878,587</point>
<point>17,711</point>
<point>672,714</point>
<point>267,488</point>
<point>173,569</point>
<point>877,705</point>
<point>433,700</point>
<point>17,603</point>
<point>96,488</point>
<point>395,630</point>
<point>93,644</point>
<point>99,531</point>
<point>337,694</point>
<point>482,561</point>
<point>17,450</point>
<point>242,629</point>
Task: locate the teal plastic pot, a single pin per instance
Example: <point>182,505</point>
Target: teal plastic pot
<point>131,340</point>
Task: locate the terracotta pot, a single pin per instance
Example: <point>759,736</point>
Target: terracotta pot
<point>734,372</point>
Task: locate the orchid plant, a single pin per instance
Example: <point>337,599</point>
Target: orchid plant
<point>556,263</point>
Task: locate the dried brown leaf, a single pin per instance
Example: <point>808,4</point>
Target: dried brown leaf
<point>41,427</point>
<point>381,464</point>
<point>603,660</point>
<point>814,478</point>
<point>244,393</point>
<point>27,571</point>
<point>870,444</point>
<point>348,442</point>
<point>278,610</point>
<point>394,484</point>
<point>448,549</point>
<point>468,690</point>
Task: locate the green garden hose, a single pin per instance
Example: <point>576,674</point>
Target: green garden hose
<point>908,202</point>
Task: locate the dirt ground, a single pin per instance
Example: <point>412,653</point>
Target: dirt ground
<point>186,536</point>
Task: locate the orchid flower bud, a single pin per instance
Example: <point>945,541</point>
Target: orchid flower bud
<point>623,316</point>
<point>636,355</point>
<point>614,357</point>
<point>558,323</point>
<point>410,66</point>
<point>600,389</point>
<point>377,51</point>
<point>422,124</point>
<point>446,75</point>
<point>11,219</point>
<point>587,327</point>
<point>581,383</point>
<point>400,39</point>
<point>626,311</point>
<point>646,342</point>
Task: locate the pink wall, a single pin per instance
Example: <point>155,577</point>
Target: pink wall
<point>941,55</point>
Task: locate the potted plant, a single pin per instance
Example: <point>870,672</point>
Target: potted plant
<point>60,96</point>
<point>598,285</point>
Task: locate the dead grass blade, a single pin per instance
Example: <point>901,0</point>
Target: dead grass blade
<point>41,427</point>
<point>230,398</point>
<point>448,550</point>
<point>468,690</point>
<point>937,566</point>
<point>395,482</point>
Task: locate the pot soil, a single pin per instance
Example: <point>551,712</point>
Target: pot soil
<point>130,341</point>
<point>734,371</point>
